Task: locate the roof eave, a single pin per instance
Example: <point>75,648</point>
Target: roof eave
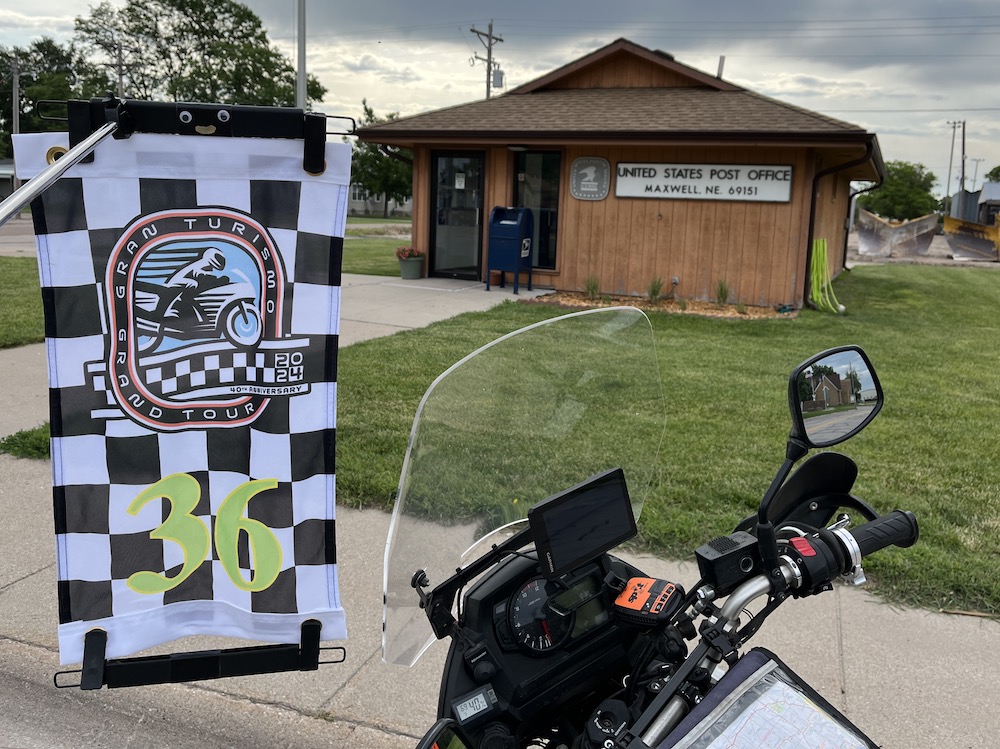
<point>565,137</point>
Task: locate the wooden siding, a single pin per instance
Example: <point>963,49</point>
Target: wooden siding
<point>625,71</point>
<point>832,203</point>
<point>420,230</point>
<point>756,248</point>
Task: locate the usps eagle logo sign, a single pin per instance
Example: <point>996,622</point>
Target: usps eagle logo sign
<point>194,301</point>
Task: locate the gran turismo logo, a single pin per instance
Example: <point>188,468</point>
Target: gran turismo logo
<point>195,315</point>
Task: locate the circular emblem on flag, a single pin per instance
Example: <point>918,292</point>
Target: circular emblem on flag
<point>195,310</point>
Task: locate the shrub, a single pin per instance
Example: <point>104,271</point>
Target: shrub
<point>655,289</point>
<point>722,292</point>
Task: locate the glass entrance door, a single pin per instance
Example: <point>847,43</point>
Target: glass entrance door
<point>537,188</point>
<point>457,224</point>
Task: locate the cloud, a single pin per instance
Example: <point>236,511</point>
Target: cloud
<point>805,85</point>
<point>15,26</point>
<point>383,70</point>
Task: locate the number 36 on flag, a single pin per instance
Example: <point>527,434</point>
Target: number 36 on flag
<point>192,534</point>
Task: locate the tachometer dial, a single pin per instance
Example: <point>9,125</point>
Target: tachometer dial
<point>534,622</point>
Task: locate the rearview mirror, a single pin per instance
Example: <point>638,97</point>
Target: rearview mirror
<point>445,734</point>
<point>833,396</point>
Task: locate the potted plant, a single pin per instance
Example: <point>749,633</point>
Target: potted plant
<point>411,262</point>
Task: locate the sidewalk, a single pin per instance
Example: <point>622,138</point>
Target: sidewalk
<point>909,678</point>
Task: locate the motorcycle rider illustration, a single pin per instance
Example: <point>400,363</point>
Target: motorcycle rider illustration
<point>197,301</point>
<point>197,274</point>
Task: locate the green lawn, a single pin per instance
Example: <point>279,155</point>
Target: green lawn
<point>370,243</point>
<point>932,332</point>
<point>374,256</point>
<point>20,302</point>
<point>933,335</point>
<point>351,220</point>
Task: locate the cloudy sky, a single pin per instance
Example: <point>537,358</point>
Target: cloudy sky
<point>904,69</point>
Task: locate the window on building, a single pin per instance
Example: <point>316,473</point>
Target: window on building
<point>537,187</point>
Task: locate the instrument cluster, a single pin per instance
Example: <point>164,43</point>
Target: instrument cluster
<point>545,615</point>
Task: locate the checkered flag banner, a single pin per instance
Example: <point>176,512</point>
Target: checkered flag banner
<point>191,288</point>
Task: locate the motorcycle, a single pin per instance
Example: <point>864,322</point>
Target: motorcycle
<point>555,641</point>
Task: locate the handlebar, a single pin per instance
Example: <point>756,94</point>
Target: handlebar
<point>898,528</point>
<point>811,564</point>
<point>814,560</point>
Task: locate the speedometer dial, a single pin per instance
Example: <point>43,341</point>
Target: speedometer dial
<point>534,622</point>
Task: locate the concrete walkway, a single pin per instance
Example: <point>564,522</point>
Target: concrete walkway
<point>909,678</point>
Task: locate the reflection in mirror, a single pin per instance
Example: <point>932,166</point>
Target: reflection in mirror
<point>445,734</point>
<point>837,396</point>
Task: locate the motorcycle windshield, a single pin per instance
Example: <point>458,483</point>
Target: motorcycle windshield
<point>520,419</point>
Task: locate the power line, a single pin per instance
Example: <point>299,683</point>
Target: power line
<point>911,110</point>
<point>712,27</point>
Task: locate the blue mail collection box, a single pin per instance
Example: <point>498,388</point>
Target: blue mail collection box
<point>509,248</point>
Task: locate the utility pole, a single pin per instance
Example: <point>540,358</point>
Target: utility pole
<point>15,127</point>
<point>487,38</point>
<point>120,65</point>
<point>963,154</point>
<point>961,194</point>
<point>16,97</point>
<point>300,79</point>
<point>975,173</point>
<point>951,158</point>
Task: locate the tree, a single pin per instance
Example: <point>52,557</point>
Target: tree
<point>855,385</point>
<point>905,194</point>
<point>993,175</point>
<point>191,50</point>
<point>380,170</point>
<point>805,389</point>
<point>46,71</point>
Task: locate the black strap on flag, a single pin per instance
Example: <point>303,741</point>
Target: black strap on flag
<point>197,666</point>
<point>192,118</point>
<point>85,118</point>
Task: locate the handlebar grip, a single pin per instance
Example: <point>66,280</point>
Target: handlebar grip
<point>898,528</point>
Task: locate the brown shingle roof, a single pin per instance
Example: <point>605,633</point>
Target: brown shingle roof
<point>593,100</point>
<point>613,114</point>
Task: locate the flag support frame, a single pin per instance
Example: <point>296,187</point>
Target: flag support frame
<point>175,668</point>
<point>91,122</point>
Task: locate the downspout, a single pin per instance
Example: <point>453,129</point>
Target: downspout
<point>850,214</point>
<point>869,152</point>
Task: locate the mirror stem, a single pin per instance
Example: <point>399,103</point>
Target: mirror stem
<point>766,539</point>
<point>768,544</point>
<point>794,451</point>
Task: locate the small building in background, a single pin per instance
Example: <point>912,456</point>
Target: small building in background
<point>362,203</point>
<point>636,168</point>
<point>6,177</point>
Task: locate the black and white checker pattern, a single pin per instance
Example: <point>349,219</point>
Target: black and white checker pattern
<point>102,460</point>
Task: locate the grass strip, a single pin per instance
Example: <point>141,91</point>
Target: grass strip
<point>373,256</point>
<point>21,305</point>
